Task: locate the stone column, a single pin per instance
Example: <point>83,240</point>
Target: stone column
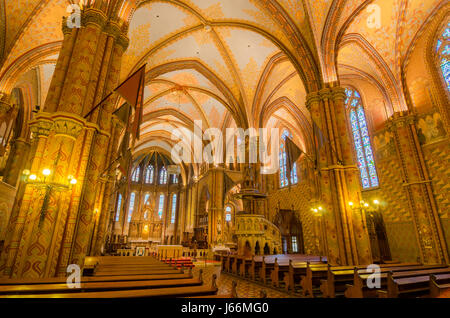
<point>18,220</point>
<point>52,226</point>
<point>346,240</point>
<point>44,216</point>
<point>115,44</point>
<point>108,196</point>
<point>417,187</point>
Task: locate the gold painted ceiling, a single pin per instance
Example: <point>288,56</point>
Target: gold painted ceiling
<point>231,62</point>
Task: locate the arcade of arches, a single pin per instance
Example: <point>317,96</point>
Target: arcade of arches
<point>362,87</point>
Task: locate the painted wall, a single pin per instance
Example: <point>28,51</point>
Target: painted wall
<point>7,196</point>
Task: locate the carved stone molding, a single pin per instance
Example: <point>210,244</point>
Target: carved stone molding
<point>400,119</point>
<point>123,41</point>
<point>41,127</point>
<point>67,127</point>
<point>93,16</point>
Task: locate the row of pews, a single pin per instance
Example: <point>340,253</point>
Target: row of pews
<point>119,277</point>
<point>311,276</point>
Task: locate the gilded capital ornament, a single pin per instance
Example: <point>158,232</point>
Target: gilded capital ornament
<point>112,29</point>
<point>67,127</point>
<point>311,99</point>
<point>41,127</point>
<point>325,94</point>
<point>338,93</point>
<point>123,41</point>
<point>93,16</point>
<point>5,104</point>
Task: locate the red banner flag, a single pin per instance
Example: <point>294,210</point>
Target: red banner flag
<point>132,90</point>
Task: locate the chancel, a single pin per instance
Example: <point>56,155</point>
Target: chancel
<point>224,149</point>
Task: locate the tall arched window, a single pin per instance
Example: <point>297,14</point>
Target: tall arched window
<point>228,211</point>
<point>361,140</point>
<point>131,206</point>
<point>174,208</point>
<point>175,178</point>
<point>163,176</point>
<point>146,197</point>
<point>119,204</point>
<point>161,206</point>
<point>443,51</point>
<point>149,172</point>
<point>136,173</point>
<point>284,182</point>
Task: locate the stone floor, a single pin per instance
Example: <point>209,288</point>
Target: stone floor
<point>245,288</point>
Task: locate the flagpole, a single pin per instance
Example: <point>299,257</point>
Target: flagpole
<point>109,95</point>
<point>98,105</point>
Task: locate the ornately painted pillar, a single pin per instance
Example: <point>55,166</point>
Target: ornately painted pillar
<point>345,236</point>
<point>19,220</point>
<point>417,187</point>
<point>51,227</point>
<point>115,44</point>
<point>108,193</point>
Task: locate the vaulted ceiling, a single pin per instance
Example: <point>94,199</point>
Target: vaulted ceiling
<point>244,63</point>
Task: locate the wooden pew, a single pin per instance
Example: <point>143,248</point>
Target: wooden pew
<point>266,267</point>
<point>255,266</point>
<point>61,280</point>
<point>310,282</point>
<point>359,288</point>
<point>412,284</point>
<point>269,265</point>
<point>244,268</point>
<point>340,277</point>
<point>294,273</point>
<point>137,289</point>
<point>237,261</point>
<point>223,259</point>
<point>97,286</point>
<point>440,286</point>
<point>280,271</point>
<point>228,263</point>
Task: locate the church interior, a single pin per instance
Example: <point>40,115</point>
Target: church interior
<point>128,130</point>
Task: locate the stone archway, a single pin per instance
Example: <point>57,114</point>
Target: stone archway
<point>291,232</point>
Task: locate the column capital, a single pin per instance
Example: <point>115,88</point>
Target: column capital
<point>40,127</point>
<point>93,16</point>
<point>338,93</point>
<point>401,119</point>
<point>5,103</point>
<point>67,127</point>
<point>312,98</point>
<point>123,41</point>
<point>325,94</point>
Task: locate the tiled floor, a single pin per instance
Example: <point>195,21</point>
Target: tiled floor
<point>245,288</point>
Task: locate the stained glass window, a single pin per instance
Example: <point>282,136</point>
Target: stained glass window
<point>131,206</point>
<point>443,51</point>
<point>149,172</point>
<point>284,182</point>
<point>174,208</point>
<point>136,173</point>
<point>294,244</point>
<point>175,178</point>
<point>163,176</point>
<point>361,139</point>
<point>119,204</point>
<point>161,205</point>
<point>228,214</point>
